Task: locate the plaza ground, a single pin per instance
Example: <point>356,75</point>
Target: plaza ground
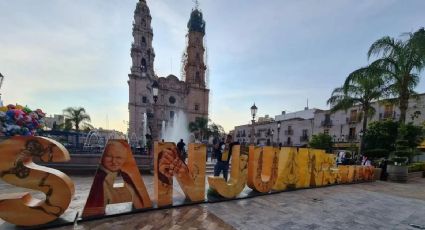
<point>375,205</point>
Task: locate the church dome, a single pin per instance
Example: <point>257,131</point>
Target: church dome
<point>196,22</point>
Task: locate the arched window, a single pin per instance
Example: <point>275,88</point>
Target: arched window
<point>197,77</point>
<point>144,65</point>
<point>144,40</point>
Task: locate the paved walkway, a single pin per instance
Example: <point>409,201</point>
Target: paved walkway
<point>377,205</point>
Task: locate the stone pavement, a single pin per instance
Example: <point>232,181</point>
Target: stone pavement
<point>376,205</point>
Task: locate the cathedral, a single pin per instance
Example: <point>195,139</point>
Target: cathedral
<point>154,100</point>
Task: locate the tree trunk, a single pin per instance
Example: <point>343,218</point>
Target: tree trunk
<point>364,130</point>
<point>403,108</point>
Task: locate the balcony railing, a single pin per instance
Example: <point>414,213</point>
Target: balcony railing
<point>326,123</point>
<point>354,119</point>
<point>352,137</point>
<point>303,138</point>
<point>289,132</point>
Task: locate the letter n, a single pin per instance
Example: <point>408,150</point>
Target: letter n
<point>191,177</point>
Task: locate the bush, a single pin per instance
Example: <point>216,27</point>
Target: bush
<point>376,153</point>
<point>321,141</point>
<point>417,167</point>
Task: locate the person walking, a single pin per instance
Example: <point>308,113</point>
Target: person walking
<point>182,152</point>
<point>223,152</point>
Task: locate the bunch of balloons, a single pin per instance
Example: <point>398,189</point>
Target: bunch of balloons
<point>20,120</point>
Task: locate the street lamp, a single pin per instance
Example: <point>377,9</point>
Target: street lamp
<point>1,83</point>
<point>361,145</point>
<point>253,113</point>
<point>155,87</point>
<point>1,80</point>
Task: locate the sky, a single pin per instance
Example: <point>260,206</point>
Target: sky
<point>277,53</point>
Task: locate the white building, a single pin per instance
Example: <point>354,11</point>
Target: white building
<point>345,127</point>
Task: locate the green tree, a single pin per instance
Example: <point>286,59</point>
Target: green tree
<point>361,87</point>
<point>321,141</point>
<point>379,140</point>
<point>76,115</point>
<point>402,61</point>
<point>215,130</point>
<point>409,137</point>
<point>199,127</point>
<point>67,126</point>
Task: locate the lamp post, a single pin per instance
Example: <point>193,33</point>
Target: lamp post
<point>278,133</point>
<point>361,145</point>
<point>155,87</point>
<point>1,83</point>
<point>253,113</point>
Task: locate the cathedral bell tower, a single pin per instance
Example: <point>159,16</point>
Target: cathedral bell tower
<point>142,74</point>
<point>195,67</point>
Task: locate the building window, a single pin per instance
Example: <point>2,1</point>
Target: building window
<point>326,131</point>
<point>144,40</point>
<point>196,107</point>
<point>172,100</point>
<point>198,77</point>
<point>171,114</point>
<point>144,65</point>
<point>144,99</point>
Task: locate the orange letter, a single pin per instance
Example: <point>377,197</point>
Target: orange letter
<point>17,168</point>
<point>117,159</point>
<point>191,177</point>
<point>238,175</point>
<point>262,168</point>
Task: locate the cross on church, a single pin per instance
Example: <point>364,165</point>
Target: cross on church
<point>196,4</point>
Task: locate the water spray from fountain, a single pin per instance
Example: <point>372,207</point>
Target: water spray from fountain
<point>176,129</point>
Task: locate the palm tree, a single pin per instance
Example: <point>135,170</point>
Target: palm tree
<point>199,126</point>
<point>402,61</point>
<point>361,87</point>
<point>76,115</point>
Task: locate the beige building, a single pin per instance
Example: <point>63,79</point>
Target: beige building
<point>189,94</point>
<point>55,120</point>
<point>345,127</point>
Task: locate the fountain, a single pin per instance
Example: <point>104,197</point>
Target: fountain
<point>176,129</point>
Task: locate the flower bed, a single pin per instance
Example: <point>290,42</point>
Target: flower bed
<point>19,120</point>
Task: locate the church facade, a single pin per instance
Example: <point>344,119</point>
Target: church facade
<point>190,94</point>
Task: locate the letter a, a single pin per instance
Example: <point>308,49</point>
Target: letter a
<point>117,160</point>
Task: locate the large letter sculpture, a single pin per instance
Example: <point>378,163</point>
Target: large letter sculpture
<point>238,175</point>
<point>288,175</point>
<point>191,177</point>
<point>17,168</point>
<point>262,168</point>
<point>117,159</point>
